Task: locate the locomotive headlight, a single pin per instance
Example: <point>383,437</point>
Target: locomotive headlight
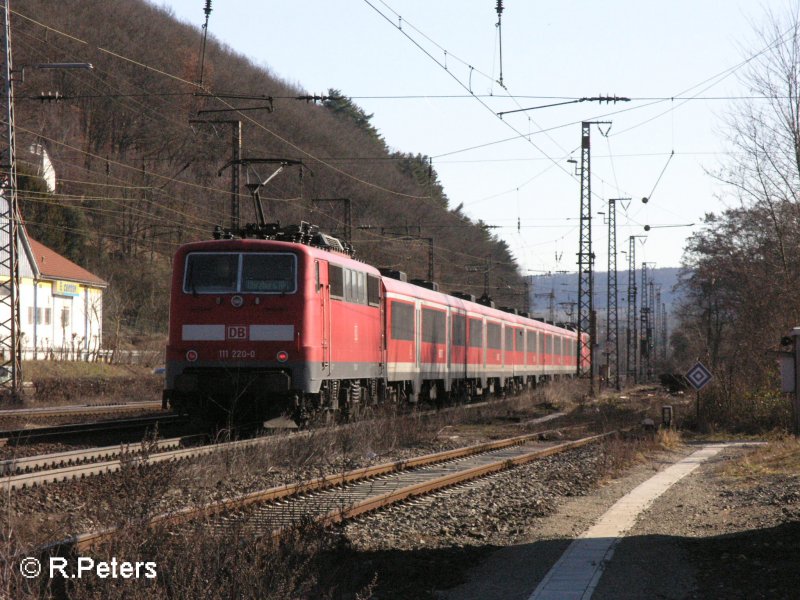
<point>191,355</point>
<point>282,356</point>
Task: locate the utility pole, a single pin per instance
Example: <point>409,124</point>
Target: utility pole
<point>551,303</point>
<point>569,309</point>
<point>348,214</point>
<point>526,303</point>
<point>236,154</point>
<point>586,317</point>
<point>10,333</point>
<point>10,329</point>
<point>258,184</point>
<point>207,11</point>
<point>408,235</point>
<point>499,9</point>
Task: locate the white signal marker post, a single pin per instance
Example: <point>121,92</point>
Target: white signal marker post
<point>698,377</point>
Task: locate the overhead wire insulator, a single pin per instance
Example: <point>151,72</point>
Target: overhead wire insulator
<point>207,11</point>
<point>499,8</point>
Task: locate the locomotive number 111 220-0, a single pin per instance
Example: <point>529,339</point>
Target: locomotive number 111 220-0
<point>226,354</point>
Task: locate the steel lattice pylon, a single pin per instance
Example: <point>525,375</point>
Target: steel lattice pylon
<point>612,328</point>
<point>10,334</point>
<point>585,283</point>
<point>664,340</point>
<point>644,329</point>
<point>631,349</point>
<point>652,328</point>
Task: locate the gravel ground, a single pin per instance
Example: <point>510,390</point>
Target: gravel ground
<point>481,526</point>
<point>55,511</point>
<point>710,536</point>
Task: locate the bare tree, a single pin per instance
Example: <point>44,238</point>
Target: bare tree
<point>742,271</point>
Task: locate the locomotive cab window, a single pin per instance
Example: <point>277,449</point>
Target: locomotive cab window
<point>373,290</point>
<point>270,273</point>
<point>231,273</point>
<point>336,281</point>
<point>211,273</point>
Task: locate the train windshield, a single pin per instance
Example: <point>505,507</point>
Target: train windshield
<point>233,272</point>
<point>268,273</point>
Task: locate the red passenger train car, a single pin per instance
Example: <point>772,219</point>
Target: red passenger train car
<point>263,327</point>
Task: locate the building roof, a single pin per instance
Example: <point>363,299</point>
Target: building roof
<point>51,265</point>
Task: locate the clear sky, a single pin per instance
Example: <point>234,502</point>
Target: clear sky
<point>673,59</point>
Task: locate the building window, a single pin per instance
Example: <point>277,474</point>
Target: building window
<point>65,317</point>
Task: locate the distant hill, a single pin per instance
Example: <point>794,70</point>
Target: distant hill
<point>564,289</point>
<point>136,175</point>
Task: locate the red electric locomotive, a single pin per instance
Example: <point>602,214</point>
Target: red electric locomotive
<point>291,324</point>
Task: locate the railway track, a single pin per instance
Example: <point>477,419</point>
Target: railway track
<point>347,495</point>
<point>40,434</point>
<point>82,409</point>
<point>79,464</point>
<point>19,473</point>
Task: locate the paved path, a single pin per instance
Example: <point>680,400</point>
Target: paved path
<point>577,573</point>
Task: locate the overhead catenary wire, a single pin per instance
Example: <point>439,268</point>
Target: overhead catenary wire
<point>261,126</point>
<point>133,169</point>
<point>329,159</point>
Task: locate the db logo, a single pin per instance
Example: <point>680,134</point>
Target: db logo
<point>236,332</point>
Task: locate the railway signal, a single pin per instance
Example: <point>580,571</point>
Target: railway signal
<point>698,377</point>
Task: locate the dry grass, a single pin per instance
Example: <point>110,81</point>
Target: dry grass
<point>205,561</point>
<point>62,369</point>
<point>669,439</point>
<point>777,457</point>
<point>68,382</point>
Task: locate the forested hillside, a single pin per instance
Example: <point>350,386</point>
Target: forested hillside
<point>135,178</point>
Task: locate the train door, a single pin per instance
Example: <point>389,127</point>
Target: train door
<point>418,335</point>
<point>384,328</point>
<point>323,291</point>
